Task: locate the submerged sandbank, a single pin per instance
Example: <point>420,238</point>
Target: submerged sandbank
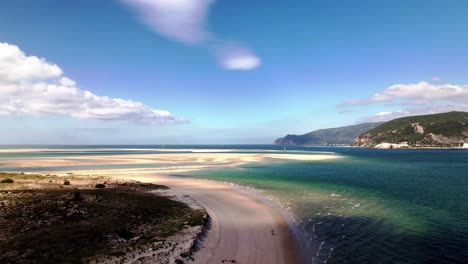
<point>165,161</point>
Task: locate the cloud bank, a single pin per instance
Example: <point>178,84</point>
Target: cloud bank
<point>184,21</point>
<point>31,86</point>
<point>417,98</point>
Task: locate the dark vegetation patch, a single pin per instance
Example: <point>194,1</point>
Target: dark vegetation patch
<point>99,186</point>
<point>444,124</point>
<point>6,180</point>
<point>69,224</point>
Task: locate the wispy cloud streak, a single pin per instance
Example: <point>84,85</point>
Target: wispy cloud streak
<point>184,21</point>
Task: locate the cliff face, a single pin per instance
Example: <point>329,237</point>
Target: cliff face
<point>439,130</point>
<point>339,135</point>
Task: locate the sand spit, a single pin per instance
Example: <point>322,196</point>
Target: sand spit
<point>244,229</point>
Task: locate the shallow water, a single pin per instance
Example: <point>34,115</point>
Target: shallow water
<point>371,206</point>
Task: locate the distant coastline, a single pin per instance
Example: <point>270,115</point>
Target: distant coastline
<point>436,131</point>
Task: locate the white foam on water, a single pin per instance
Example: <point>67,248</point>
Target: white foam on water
<point>320,248</point>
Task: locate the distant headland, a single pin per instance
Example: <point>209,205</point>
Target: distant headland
<point>444,130</point>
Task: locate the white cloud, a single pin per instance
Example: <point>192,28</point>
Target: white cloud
<point>417,93</point>
<point>383,116</point>
<point>34,87</point>
<point>182,20</point>
<point>67,81</point>
<point>16,67</point>
<point>417,99</point>
<point>424,91</point>
<point>422,110</point>
<point>238,58</point>
<point>383,113</point>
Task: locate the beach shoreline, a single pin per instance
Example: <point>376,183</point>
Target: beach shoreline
<point>246,226</point>
<point>303,253</point>
<point>270,238</point>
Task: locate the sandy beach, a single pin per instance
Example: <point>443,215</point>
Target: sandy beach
<point>244,228</point>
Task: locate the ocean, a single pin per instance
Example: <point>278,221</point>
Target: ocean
<point>370,206</point>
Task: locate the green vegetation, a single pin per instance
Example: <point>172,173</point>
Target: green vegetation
<point>26,181</point>
<point>444,130</point>
<point>340,135</point>
<point>53,223</point>
<point>7,180</point>
<point>99,186</point>
<point>198,218</point>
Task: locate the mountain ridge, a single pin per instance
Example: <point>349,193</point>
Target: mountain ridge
<point>343,135</point>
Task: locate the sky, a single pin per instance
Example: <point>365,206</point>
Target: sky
<point>223,71</point>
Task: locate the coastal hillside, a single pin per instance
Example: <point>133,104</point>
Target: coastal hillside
<point>437,130</point>
<point>340,135</point>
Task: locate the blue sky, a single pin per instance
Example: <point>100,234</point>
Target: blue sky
<point>226,71</point>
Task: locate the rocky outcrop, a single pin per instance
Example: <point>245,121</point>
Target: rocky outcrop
<point>417,128</point>
<point>365,140</point>
<point>386,145</point>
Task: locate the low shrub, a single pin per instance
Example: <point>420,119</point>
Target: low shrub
<point>99,186</point>
<point>7,180</point>
<point>77,197</point>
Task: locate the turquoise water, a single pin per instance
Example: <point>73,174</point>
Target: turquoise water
<point>371,206</point>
